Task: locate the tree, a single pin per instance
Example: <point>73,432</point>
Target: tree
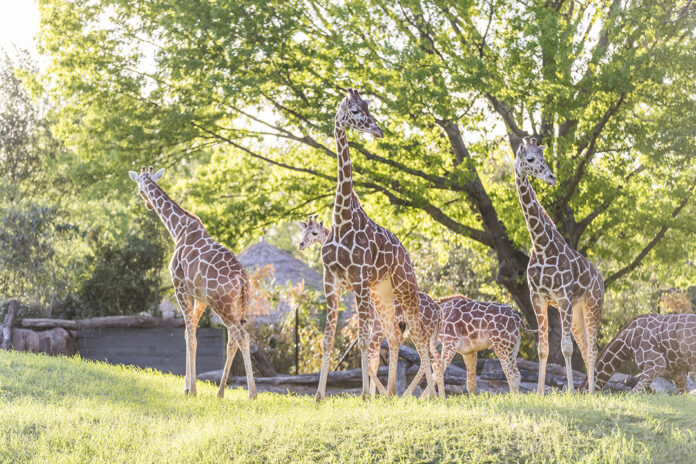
<point>607,85</point>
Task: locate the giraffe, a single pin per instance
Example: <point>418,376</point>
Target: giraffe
<point>557,274</point>
<point>658,343</point>
<point>430,314</point>
<point>367,257</point>
<point>203,273</point>
<point>469,326</point>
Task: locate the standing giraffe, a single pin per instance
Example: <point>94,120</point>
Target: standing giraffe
<point>203,273</point>
<point>368,257</point>
<point>658,343</point>
<point>429,314</point>
<point>557,274</point>
<point>469,326</point>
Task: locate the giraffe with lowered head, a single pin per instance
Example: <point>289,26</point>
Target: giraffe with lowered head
<point>557,274</point>
<point>203,273</point>
<point>367,257</point>
<point>660,344</point>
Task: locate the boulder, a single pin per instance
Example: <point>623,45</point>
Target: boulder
<point>661,385</point>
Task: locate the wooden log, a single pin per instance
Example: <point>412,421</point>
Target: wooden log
<point>261,361</point>
<point>111,322</point>
<point>8,323</point>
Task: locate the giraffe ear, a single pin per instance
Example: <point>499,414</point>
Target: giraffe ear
<point>134,175</point>
<point>158,175</point>
<point>543,147</point>
<point>321,223</point>
<point>303,224</point>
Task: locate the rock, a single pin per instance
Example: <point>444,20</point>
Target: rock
<point>167,309</point>
<point>492,370</point>
<point>661,385</point>
<point>690,383</point>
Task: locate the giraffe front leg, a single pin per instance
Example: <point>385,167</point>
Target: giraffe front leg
<point>332,290</point>
<point>653,365</point>
<point>186,306</point>
<point>541,310</point>
<point>362,297</point>
<point>376,336</point>
<point>565,309</point>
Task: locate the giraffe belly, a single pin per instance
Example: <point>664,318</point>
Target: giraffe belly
<point>472,344</point>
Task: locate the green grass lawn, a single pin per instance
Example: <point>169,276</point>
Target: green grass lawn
<point>68,410</point>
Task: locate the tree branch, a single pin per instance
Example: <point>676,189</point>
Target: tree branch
<point>644,252</point>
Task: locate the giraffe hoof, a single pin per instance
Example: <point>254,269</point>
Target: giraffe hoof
<point>318,397</point>
<point>186,391</point>
<point>221,394</point>
<point>365,396</point>
<point>252,396</point>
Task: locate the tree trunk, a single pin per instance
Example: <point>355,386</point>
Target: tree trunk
<point>8,323</point>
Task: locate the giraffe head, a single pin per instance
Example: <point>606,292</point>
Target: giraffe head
<point>143,179</point>
<point>530,160</point>
<point>313,231</point>
<point>354,113</point>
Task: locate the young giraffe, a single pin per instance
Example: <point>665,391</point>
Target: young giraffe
<point>658,343</point>
<point>367,257</point>
<point>204,272</point>
<point>469,326</point>
<point>557,274</point>
<point>430,314</point>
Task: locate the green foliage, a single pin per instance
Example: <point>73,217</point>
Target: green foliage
<point>608,86</point>
<point>125,274</point>
<point>68,410</point>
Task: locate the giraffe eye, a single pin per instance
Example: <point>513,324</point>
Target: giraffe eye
<point>355,111</point>
<point>314,232</point>
<point>530,160</point>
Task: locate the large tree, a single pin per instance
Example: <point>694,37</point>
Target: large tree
<point>608,85</point>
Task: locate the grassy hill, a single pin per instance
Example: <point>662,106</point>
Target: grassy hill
<point>68,410</point>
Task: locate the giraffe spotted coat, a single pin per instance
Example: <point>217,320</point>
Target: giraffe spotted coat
<point>660,344</point>
<point>204,273</point>
<point>367,257</point>
<point>557,274</point>
<point>469,326</point>
<point>430,314</point>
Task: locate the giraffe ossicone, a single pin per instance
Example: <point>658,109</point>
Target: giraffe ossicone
<point>204,273</point>
<point>557,274</point>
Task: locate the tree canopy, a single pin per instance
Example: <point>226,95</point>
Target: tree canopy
<point>247,91</point>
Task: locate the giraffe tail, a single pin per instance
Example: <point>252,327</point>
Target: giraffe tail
<point>524,325</point>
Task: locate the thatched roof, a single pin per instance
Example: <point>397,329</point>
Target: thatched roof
<point>286,266</point>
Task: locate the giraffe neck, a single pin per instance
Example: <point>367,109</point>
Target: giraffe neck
<point>342,205</point>
<point>175,218</point>
<point>610,359</point>
<point>541,228</point>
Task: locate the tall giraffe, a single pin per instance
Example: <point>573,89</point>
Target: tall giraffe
<point>557,274</point>
<point>204,273</point>
<point>367,257</point>
<point>658,343</point>
<point>430,316</point>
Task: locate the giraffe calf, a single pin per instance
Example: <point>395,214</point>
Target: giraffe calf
<point>469,326</point>
<point>660,344</point>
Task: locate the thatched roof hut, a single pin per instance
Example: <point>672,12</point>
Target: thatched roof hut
<point>286,266</point>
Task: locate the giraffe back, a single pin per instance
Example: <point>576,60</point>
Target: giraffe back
<point>478,325</point>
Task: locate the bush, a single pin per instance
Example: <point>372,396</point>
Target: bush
<point>125,278</point>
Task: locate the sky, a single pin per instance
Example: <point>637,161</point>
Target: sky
<point>19,24</point>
